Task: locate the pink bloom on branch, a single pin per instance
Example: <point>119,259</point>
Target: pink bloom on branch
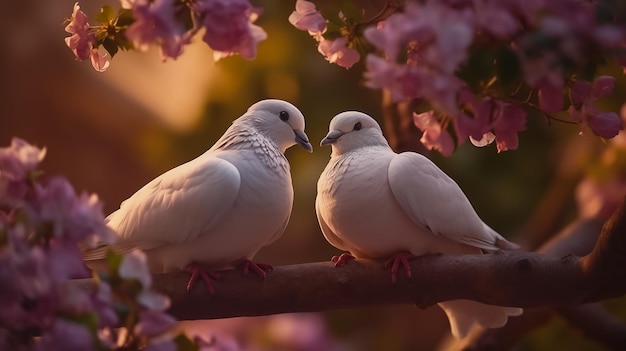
<point>605,124</point>
<point>306,17</point>
<point>135,266</point>
<point>153,323</point>
<point>155,24</point>
<point>550,97</point>
<point>81,41</point>
<point>603,86</point>
<point>401,80</point>
<point>229,27</point>
<point>71,217</point>
<point>434,136</point>
<point>510,119</point>
<point>20,159</point>
<point>67,335</point>
<point>336,51</point>
<point>100,62</point>
<point>583,110</point>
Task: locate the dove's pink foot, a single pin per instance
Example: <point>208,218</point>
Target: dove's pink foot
<point>258,268</point>
<point>208,276</point>
<point>342,259</point>
<point>400,258</point>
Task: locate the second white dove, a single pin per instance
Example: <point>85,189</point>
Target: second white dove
<point>376,203</point>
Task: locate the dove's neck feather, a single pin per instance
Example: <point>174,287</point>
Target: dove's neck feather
<point>242,137</point>
<point>359,144</point>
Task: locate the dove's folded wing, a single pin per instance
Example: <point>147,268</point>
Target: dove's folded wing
<point>177,206</point>
<point>432,199</point>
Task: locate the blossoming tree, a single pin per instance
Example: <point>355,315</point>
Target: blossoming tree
<point>473,69</point>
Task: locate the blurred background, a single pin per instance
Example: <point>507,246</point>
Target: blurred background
<point>112,132</point>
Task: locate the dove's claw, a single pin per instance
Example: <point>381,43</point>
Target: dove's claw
<point>342,259</point>
<point>402,257</point>
<point>199,271</point>
<point>258,268</point>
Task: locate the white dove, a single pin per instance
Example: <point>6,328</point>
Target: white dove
<point>376,203</point>
<point>219,209</point>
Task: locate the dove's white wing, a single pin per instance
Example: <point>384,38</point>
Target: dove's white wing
<point>177,206</point>
<point>330,236</point>
<point>432,199</point>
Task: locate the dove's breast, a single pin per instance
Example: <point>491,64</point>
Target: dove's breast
<point>357,204</point>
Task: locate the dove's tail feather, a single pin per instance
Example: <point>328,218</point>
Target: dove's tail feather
<point>464,315</point>
<point>500,241</point>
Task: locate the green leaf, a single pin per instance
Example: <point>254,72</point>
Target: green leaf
<point>183,343</point>
<point>125,18</point>
<point>114,260</point>
<point>110,45</point>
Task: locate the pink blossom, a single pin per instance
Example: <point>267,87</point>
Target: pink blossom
<point>509,120</point>
<point>496,18</point>
<point>306,17</point>
<point>488,114</point>
<point>336,51</point>
<point>100,62</point>
<point>442,35</point>
<point>135,266</point>
<point>544,73</point>
<point>155,24</point>
<point>17,163</point>
<point>583,110</point>
<point>68,336</point>
<point>433,136</point>
<point>605,124</point>
<point>82,40</point>
<point>152,323</point>
<point>70,217</point>
<point>603,86</point>
<point>482,116</point>
<point>401,80</point>
<point>229,27</point>
<point>550,96</point>
<point>65,262</point>
<point>159,344</point>
<point>487,139</point>
<point>20,159</point>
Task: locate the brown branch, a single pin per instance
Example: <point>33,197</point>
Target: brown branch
<point>576,239</point>
<point>512,279</point>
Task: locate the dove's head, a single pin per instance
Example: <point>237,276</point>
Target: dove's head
<point>351,130</point>
<point>280,121</point>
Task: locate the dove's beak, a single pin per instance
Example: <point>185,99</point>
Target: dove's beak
<point>303,140</point>
<point>331,137</point>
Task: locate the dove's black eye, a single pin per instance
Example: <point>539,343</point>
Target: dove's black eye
<point>358,126</point>
<point>284,116</point>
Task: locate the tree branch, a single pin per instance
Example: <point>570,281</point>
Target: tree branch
<point>578,239</point>
<point>510,279</point>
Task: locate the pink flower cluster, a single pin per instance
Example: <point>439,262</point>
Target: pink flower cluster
<point>228,24</point>
<point>42,225</point>
<point>338,50</point>
<point>83,40</point>
<point>583,110</point>
<point>426,46</point>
